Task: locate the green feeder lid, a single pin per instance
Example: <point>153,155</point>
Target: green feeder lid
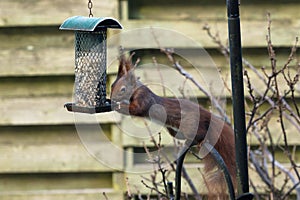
<point>80,23</point>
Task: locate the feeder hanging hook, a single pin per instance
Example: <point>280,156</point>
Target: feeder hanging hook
<point>90,6</point>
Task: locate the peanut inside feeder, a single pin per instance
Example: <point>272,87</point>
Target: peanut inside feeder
<point>90,69</point>
<point>90,62</point>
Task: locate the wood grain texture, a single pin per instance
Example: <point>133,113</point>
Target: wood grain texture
<point>46,111</point>
<point>194,173</point>
<point>83,194</point>
<point>42,155</point>
<point>43,12</point>
<point>249,30</point>
<point>41,51</point>
<point>208,10</point>
<point>136,133</point>
<point>57,149</point>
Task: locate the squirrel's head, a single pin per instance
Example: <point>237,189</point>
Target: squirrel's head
<point>124,86</point>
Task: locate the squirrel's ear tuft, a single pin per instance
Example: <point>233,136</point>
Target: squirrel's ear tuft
<point>122,64</point>
<point>131,79</point>
<point>125,64</point>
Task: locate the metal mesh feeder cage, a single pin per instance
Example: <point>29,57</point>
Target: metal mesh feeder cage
<point>90,62</point>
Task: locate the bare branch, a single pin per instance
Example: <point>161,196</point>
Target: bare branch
<point>276,98</point>
<point>105,196</point>
<point>128,192</point>
<point>153,188</point>
<point>160,76</point>
<point>225,51</point>
<point>169,53</point>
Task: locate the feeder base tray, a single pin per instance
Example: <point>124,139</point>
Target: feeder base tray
<point>72,107</point>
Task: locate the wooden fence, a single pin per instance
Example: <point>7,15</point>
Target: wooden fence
<point>42,156</point>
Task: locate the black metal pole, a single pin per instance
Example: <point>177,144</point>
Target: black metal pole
<point>179,163</point>
<point>170,191</point>
<point>238,94</point>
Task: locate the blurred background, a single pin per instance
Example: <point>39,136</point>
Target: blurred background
<point>41,156</point>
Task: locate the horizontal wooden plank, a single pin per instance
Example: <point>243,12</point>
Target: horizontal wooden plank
<point>171,81</point>
<point>42,86</point>
<point>43,12</point>
<point>208,10</point>
<point>206,57</point>
<point>193,172</point>
<point>30,94</point>
<point>138,157</point>
<point>179,33</point>
<point>56,85</point>
<point>46,110</point>
<point>137,133</point>
<point>48,51</point>
<point>50,61</point>
<point>54,61</point>
<point>57,181</point>
<point>57,149</point>
<point>212,78</point>
<point>36,51</point>
<point>39,51</point>
<point>43,135</point>
<point>84,194</point>
<point>37,86</point>
<point>64,186</point>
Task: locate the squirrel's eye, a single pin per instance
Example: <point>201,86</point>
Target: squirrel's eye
<point>123,89</point>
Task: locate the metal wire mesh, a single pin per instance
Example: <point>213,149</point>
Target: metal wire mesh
<point>90,68</point>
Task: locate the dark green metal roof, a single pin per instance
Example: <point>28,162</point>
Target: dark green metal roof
<point>80,23</point>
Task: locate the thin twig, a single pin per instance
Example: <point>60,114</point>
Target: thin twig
<point>272,95</point>
<point>169,53</point>
<point>160,76</point>
<point>279,97</point>
<point>225,51</point>
<point>291,190</point>
<point>191,184</point>
<point>128,192</point>
<point>105,196</point>
<point>153,189</point>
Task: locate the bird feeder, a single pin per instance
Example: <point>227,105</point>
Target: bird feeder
<point>90,62</point>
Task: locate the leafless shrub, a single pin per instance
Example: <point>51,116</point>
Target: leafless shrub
<point>274,101</point>
<point>271,105</point>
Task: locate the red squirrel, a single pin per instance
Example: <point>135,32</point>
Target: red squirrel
<point>183,119</point>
